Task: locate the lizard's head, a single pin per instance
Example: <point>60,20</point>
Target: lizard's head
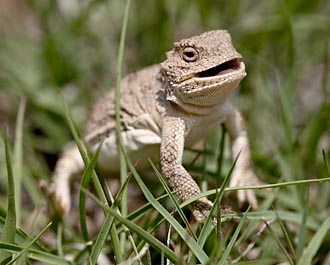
<point>203,70</point>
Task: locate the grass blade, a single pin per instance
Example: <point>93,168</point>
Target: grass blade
<point>83,152</point>
<point>302,232</point>
<point>26,249</point>
<point>21,236</point>
<point>143,209</point>
<point>106,227</point>
<point>9,229</point>
<point>97,184</point>
<point>18,157</point>
<point>82,195</point>
<point>38,255</point>
<point>152,241</point>
<point>233,239</point>
<point>176,204</point>
<point>315,243</point>
<point>191,243</point>
<point>219,194</point>
<point>123,165</point>
<point>258,187</point>
<point>326,164</point>
<point>280,244</point>
<point>101,237</point>
<point>286,233</point>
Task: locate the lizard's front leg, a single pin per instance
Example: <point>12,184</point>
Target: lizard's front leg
<point>171,152</point>
<point>243,174</point>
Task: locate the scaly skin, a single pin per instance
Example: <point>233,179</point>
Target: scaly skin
<point>166,107</point>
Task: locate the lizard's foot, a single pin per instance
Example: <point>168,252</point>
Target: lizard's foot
<point>245,178</point>
<point>202,209</point>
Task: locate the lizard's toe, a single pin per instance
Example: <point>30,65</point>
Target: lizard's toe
<point>247,196</point>
<point>62,199</point>
<point>247,178</point>
<point>202,209</point>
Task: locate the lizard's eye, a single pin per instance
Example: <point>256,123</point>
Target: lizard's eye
<point>189,54</point>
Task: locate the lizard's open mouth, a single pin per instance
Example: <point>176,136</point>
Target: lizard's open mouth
<point>221,69</point>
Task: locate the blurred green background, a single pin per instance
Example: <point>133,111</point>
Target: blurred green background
<point>71,46</point>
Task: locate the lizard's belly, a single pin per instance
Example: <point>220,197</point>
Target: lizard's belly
<point>140,145</point>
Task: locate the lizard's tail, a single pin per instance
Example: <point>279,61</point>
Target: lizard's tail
<point>69,164</point>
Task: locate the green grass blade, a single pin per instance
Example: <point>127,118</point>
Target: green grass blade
<point>82,195</point>
<point>18,157</point>
<point>97,184</point>
<point>59,239</point>
<point>219,194</point>
<point>191,243</point>
<point>123,165</point>
<point>208,222</point>
<point>143,209</point>
<point>116,202</point>
<point>9,229</point>
<point>108,226</point>
<point>221,154</point>
<point>286,233</point>
<point>302,232</point>
<point>26,249</point>
<point>315,243</point>
<point>280,244</point>
<point>21,236</point>
<point>152,241</point>
<point>258,187</point>
<point>287,216</point>
<point>207,225</point>
<point>101,237</point>
<point>83,152</point>
<point>176,204</point>
<point>38,255</point>
<point>232,241</point>
<point>135,228</point>
<point>326,163</point>
<point>121,191</point>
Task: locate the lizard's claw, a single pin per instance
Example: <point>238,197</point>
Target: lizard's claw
<point>245,178</point>
<point>202,209</point>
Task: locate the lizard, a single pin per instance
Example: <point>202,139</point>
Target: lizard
<point>165,107</point>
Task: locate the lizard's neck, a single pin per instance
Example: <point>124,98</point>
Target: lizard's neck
<point>189,108</point>
<point>192,109</point>
<point>202,107</point>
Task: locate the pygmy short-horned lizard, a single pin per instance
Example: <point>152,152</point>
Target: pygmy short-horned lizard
<point>163,108</point>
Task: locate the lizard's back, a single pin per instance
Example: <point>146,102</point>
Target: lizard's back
<point>141,116</point>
